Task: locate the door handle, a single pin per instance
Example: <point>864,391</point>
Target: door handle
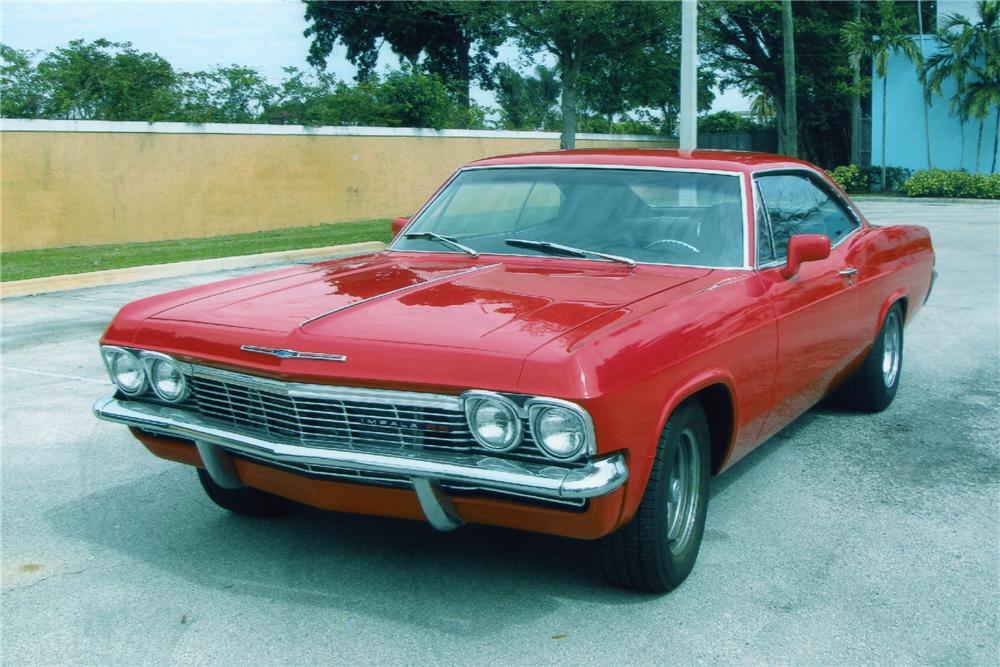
<point>848,272</point>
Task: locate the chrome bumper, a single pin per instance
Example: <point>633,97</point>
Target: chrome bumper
<point>423,468</point>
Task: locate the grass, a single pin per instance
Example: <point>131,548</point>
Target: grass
<point>23,264</point>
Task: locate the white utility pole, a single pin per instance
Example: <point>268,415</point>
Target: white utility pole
<point>689,75</point>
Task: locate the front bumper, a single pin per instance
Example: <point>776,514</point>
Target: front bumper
<point>425,469</point>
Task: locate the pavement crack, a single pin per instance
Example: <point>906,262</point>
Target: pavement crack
<point>34,583</point>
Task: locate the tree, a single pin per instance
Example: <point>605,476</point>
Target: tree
<point>106,80</point>
<point>22,92</point>
<point>950,62</point>
<point>578,32</point>
<point>646,82</point>
<point>233,94</point>
<point>528,102</point>
<point>457,39</point>
<point>878,37</point>
<point>791,146</point>
<point>971,54</point>
<point>743,41</point>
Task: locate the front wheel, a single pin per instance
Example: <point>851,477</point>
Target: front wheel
<point>245,501</point>
<point>657,549</point>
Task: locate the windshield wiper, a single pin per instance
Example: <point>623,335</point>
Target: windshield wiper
<point>447,240</point>
<point>567,250</point>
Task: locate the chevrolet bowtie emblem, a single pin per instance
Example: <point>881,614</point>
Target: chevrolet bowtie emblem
<point>292,354</point>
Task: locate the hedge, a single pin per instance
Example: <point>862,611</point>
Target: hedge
<point>941,183</point>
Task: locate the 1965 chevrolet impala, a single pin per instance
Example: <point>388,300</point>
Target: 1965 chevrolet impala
<point>566,342</point>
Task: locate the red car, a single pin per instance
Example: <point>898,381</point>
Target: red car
<point>567,342</point>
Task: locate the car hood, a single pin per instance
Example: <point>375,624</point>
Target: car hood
<point>433,300</point>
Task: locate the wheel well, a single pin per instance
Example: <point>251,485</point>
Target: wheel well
<point>903,302</point>
<point>717,403</point>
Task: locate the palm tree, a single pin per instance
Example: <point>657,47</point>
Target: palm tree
<point>878,37</point>
<point>977,52</point>
<point>950,62</point>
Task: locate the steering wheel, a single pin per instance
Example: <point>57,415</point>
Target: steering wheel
<point>686,246</point>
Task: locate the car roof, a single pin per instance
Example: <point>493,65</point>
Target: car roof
<point>735,161</point>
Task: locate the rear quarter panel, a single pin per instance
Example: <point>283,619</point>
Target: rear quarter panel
<point>894,262</point>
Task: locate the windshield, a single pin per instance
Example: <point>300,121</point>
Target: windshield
<point>653,216</point>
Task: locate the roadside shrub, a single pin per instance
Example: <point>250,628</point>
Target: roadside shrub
<point>852,178</point>
<point>895,177</point>
<point>941,183</point>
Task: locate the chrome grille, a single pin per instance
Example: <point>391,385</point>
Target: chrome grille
<point>323,416</point>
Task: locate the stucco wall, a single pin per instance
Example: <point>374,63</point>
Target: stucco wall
<point>87,183</point>
<point>905,143</point>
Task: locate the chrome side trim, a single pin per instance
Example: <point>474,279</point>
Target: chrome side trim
<point>397,291</point>
<point>535,480</point>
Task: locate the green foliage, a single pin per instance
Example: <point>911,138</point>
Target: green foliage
<point>742,40</point>
<point>97,80</point>
<point>580,34</point>
<point>852,178</point>
<point>725,121</point>
<point>457,40</point>
<point>941,183</point>
<point>528,102</point>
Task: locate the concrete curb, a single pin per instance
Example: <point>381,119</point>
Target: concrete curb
<point>134,274</point>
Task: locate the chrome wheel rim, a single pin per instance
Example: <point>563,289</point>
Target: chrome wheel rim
<point>891,349</point>
<point>683,491</point>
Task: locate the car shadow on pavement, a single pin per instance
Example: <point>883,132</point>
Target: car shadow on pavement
<point>474,581</point>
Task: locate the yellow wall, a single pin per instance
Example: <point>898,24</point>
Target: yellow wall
<point>86,188</point>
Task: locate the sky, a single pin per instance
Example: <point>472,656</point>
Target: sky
<point>192,35</point>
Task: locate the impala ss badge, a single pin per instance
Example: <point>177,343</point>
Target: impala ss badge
<point>293,354</point>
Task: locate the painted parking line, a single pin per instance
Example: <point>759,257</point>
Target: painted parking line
<point>61,376</point>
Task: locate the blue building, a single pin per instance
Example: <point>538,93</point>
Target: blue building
<point>905,144</point>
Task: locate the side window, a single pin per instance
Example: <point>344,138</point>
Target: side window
<point>796,205</point>
<point>765,243</point>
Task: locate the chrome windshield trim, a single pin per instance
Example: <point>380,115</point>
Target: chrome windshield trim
<point>746,266</point>
<point>537,480</point>
<point>330,392</point>
<point>396,291</point>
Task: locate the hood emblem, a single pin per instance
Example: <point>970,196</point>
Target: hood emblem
<point>292,354</point>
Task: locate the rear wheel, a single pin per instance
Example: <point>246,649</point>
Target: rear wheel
<point>873,386</point>
<point>245,501</point>
<point>657,549</point>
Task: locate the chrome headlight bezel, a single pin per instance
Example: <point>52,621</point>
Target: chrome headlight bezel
<point>110,353</point>
<point>474,400</point>
<point>150,361</point>
<point>537,408</point>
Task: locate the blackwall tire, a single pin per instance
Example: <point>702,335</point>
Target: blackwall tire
<point>873,386</point>
<point>657,549</point>
<point>245,501</point>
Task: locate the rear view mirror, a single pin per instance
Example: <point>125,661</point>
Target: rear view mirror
<point>805,248</point>
<point>398,224</point>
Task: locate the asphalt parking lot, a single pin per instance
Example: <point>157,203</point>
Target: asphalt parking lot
<point>845,539</point>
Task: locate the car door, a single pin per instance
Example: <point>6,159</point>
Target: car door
<point>816,309</point>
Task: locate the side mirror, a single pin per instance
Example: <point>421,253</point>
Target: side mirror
<point>805,248</point>
<point>398,224</point>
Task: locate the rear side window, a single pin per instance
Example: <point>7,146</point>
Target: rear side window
<point>797,205</point>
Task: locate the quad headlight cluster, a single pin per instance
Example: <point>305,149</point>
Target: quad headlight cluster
<point>136,372</point>
<point>561,429</point>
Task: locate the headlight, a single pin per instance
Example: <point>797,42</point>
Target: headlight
<point>166,377</point>
<point>561,432</point>
<point>493,420</point>
<point>126,370</point>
